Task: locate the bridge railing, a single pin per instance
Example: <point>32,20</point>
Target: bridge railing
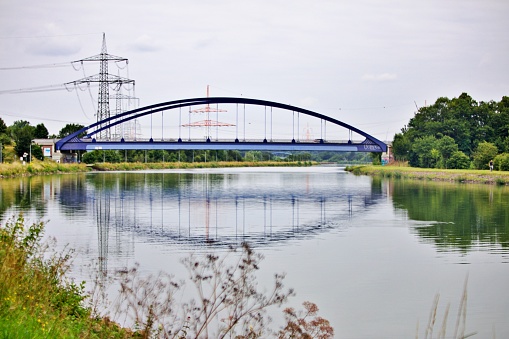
<point>155,140</point>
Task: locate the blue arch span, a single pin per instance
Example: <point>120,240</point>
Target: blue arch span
<point>73,142</point>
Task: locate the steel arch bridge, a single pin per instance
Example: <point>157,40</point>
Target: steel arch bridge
<point>90,142</point>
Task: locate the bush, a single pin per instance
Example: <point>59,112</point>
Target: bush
<point>501,162</point>
<point>485,152</point>
<point>458,160</point>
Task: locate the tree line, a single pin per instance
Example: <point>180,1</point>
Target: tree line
<point>21,133</point>
<point>456,133</point>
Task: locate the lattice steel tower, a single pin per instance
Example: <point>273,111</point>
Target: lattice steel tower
<point>105,80</point>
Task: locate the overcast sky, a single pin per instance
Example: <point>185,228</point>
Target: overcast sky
<point>364,62</point>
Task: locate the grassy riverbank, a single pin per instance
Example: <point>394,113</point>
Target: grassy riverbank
<point>450,175</point>
<point>50,167</point>
<point>128,166</point>
<point>39,167</point>
<point>36,300</point>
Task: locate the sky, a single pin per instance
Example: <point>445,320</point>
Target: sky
<point>368,63</point>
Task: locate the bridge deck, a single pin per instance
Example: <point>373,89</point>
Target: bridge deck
<point>241,145</point>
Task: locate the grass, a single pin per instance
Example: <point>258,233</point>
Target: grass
<point>49,167</point>
<point>37,167</point>
<point>452,175</point>
<point>127,166</point>
<point>36,300</point>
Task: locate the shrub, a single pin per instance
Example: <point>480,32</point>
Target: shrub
<point>484,152</point>
<point>458,160</point>
<point>501,162</point>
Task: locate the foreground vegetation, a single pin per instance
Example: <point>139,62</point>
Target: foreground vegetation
<point>38,300</point>
<point>451,175</point>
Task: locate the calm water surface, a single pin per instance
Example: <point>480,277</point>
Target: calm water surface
<point>371,253</point>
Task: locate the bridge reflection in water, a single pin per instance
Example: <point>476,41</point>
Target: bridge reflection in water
<point>203,210</point>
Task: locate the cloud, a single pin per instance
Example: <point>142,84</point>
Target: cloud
<point>145,44</point>
<point>53,47</point>
<point>382,77</point>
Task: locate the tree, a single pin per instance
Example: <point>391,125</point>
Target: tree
<point>422,148</point>
<point>401,147</point>
<point>501,162</point>
<point>71,128</point>
<point>446,146</point>
<point>111,156</point>
<point>484,152</point>
<point>458,160</point>
<point>15,129</point>
<point>3,126</point>
<point>41,132</point>
<point>23,140</point>
<point>37,152</point>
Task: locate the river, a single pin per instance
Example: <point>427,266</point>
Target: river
<point>371,253</point>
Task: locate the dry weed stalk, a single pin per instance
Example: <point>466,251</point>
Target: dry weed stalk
<point>228,302</point>
<point>459,332</point>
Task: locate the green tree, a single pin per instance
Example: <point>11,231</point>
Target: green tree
<point>401,147</point>
<point>3,126</point>
<point>15,129</point>
<point>501,162</point>
<point>422,151</point>
<point>71,128</point>
<point>458,160</point>
<point>484,152</point>
<point>446,146</point>
<point>23,140</point>
<point>37,152</point>
<point>41,132</point>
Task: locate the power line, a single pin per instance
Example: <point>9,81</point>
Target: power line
<point>47,88</point>
<point>62,64</point>
<point>17,115</point>
<point>45,36</point>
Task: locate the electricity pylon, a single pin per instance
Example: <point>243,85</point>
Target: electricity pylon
<point>105,80</point>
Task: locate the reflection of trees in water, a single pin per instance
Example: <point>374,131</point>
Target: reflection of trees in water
<point>197,209</point>
<point>462,216</point>
<point>25,194</point>
<point>72,195</point>
<point>216,210</point>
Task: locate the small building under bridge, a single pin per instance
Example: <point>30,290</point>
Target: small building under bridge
<point>49,151</point>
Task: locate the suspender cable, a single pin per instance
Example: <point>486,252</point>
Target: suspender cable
<point>244,122</point>
<point>270,123</point>
<point>293,125</point>
<point>265,123</point>
<point>189,127</point>
<point>237,122</point>
<point>298,126</point>
<point>162,125</point>
<point>180,122</point>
